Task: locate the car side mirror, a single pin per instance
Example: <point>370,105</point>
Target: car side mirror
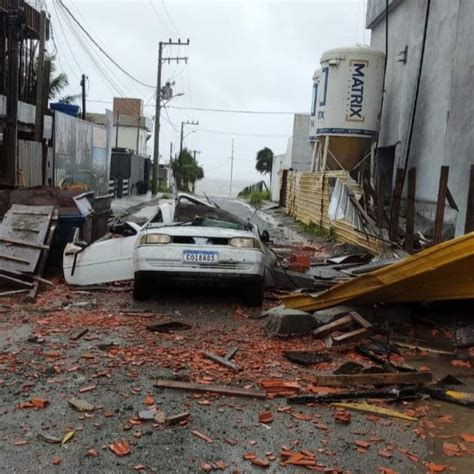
<point>265,236</point>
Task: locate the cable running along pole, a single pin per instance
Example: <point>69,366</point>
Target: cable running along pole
<point>156,141</point>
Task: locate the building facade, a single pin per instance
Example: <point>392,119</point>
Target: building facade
<point>442,132</point>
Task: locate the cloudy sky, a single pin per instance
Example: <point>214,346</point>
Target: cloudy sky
<point>244,55</point>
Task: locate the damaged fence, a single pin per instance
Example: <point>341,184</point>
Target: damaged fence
<point>331,201</point>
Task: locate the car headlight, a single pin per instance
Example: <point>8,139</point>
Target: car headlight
<point>243,242</point>
<point>148,239</point>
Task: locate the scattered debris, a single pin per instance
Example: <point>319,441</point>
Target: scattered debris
<point>221,389</point>
<point>48,438</point>
<point>76,336</point>
<point>179,418</point>
<point>224,361</point>
<point>367,408</point>
<point>393,378</point>
<point>120,447</point>
<point>80,405</point>
<point>305,357</point>
<point>280,388</point>
<point>169,326</point>
<point>202,436</point>
<point>434,274</point>
<point>67,437</point>
<point>265,417</point>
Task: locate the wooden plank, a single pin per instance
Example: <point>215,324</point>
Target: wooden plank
<point>44,255</point>
<point>380,201</point>
<point>349,336</point>
<point>388,378</point>
<point>221,361</point>
<point>22,243</point>
<point>442,193</point>
<point>220,389</point>
<point>375,410</point>
<point>410,217</point>
<point>231,353</point>
<point>395,211</point>
<point>469,226</point>
<point>24,229</point>
<point>16,280</point>
<point>13,292</point>
<point>331,327</point>
<point>15,259</point>
<point>360,320</point>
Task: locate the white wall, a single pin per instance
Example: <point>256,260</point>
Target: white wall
<point>443,132</point>
<point>127,138</point>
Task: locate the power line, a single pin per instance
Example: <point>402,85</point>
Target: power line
<point>107,55</point>
<point>218,132</point>
<point>169,18</point>
<point>203,109</point>
<point>159,16</point>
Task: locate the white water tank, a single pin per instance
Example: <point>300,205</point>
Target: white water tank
<point>350,91</point>
<point>314,106</point>
<point>348,104</point>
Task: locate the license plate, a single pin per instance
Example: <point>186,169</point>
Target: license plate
<point>200,256</point>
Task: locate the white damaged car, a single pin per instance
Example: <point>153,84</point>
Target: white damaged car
<point>204,245</point>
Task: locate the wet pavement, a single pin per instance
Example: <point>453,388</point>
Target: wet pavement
<point>115,365</point>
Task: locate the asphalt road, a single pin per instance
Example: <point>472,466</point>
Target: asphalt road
<point>114,367</point>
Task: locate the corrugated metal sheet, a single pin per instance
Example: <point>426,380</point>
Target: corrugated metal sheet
<point>307,199</point>
<point>30,158</point>
<point>439,273</point>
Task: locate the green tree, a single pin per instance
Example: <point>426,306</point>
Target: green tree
<point>265,162</point>
<point>186,171</point>
<point>57,84</point>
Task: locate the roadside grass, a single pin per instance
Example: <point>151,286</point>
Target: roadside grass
<point>256,198</point>
<point>316,230</point>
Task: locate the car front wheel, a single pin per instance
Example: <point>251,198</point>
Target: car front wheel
<point>141,290</point>
<point>254,293</point>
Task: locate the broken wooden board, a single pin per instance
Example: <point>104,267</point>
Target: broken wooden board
<point>388,378</point>
<point>438,273</point>
<point>375,410</point>
<point>220,389</point>
<point>351,336</point>
<point>221,360</point>
<point>20,247</point>
<point>337,325</point>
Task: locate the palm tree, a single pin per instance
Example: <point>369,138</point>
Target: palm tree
<point>57,83</point>
<point>265,162</point>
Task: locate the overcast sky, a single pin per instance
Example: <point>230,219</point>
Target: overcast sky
<point>249,54</point>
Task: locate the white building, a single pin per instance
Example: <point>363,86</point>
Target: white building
<point>443,131</point>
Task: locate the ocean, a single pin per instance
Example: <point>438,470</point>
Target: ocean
<point>221,187</point>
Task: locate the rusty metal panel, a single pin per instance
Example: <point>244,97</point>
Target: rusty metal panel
<point>438,273</point>
<point>30,159</point>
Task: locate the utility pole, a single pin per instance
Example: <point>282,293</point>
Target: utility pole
<point>156,143</point>
<point>83,89</point>
<point>40,79</point>
<point>231,169</point>
<point>182,133</point>
<point>11,140</point>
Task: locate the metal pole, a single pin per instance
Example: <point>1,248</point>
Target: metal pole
<point>11,139</point>
<point>182,139</point>
<point>39,80</point>
<point>83,89</point>
<point>156,144</point>
<point>117,124</point>
<point>231,168</point>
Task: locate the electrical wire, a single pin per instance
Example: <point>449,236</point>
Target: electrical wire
<point>218,132</point>
<point>169,17</point>
<point>203,109</point>
<point>107,55</point>
<point>159,16</point>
